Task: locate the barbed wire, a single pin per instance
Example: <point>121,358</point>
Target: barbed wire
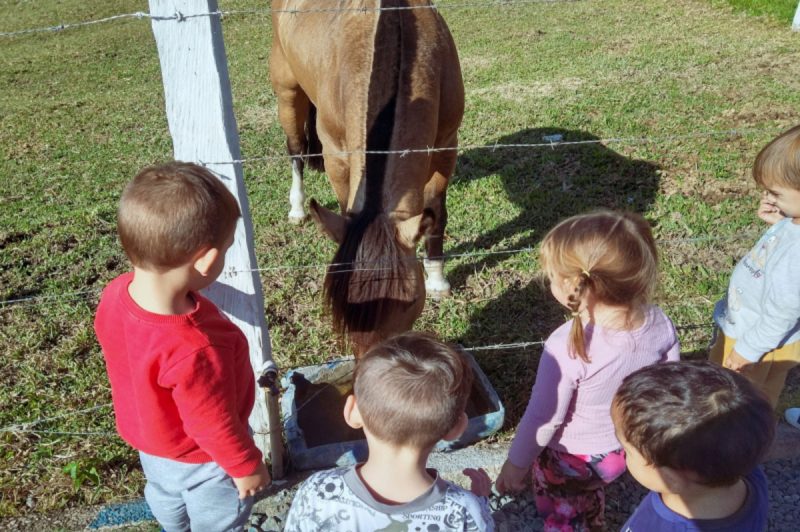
<point>403,152</point>
<point>19,427</point>
<point>47,297</point>
<point>35,300</point>
<point>72,25</point>
<point>363,266</point>
<point>26,427</point>
<point>503,347</point>
<point>470,254</point>
<point>181,17</point>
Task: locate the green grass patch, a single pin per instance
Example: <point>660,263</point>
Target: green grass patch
<point>782,10</point>
<point>83,110</point>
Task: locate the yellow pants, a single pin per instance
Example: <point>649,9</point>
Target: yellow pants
<point>769,373</point>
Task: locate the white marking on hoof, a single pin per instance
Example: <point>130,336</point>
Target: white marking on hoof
<point>297,218</point>
<point>435,284</point>
<point>437,294</point>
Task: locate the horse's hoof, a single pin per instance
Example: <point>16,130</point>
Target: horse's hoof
<point>297,219</point>
<point>438,293</point>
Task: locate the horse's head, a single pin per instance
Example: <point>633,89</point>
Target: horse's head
<point>375,285</point>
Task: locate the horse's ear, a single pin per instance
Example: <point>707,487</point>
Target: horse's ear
<point>332,224</point>
<point>410,231</point>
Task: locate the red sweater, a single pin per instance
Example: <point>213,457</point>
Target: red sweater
<point>182,385</point>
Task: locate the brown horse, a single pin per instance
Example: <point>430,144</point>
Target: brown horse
<point>363,77</point>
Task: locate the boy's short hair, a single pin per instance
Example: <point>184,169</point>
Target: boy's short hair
<point>697,417</point>
<point>412,389</point>
<point>778,163</point>
<point>170,211</point>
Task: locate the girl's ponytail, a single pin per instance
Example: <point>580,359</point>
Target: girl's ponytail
<point>577,343</point>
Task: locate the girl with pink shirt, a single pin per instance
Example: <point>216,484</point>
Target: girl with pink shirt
<point>603,267</point>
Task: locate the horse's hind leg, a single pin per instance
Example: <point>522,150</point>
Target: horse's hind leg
<point>293,109</point>
<point>442,166</point>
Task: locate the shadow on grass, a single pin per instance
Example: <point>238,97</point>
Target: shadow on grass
<point>546,185</point>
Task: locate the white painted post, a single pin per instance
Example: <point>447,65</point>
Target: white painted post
<point>796,21</point>
<point>203,128</point>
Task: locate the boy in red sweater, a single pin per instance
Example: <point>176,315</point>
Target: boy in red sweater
<point>181,379</point>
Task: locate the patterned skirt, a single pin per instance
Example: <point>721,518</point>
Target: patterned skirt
<point>569,489</point>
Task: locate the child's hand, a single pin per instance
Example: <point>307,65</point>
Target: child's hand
<point>768,212</point>
<point>736,362</point>
<point>511,478</point>
<point>481,483</point>
<point>253,483</point>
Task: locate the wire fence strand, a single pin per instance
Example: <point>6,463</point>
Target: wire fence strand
<point>376,265</point>
<point>403,152</point>
<point>73,25</point>
<point>181,17</point>
<point>27,427</point>
<point>24,426</point>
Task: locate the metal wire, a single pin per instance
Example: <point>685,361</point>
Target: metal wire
<point>403,152</point>
<point>362,266</point>
<point>23,427</point>
<point>181,17</point>
<point>26,427</point>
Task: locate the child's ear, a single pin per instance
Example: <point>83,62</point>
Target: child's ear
<point>204,259</point>
<point>351,414</point>
<point>458,429</point>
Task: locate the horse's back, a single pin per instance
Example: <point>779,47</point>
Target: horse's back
<point>333,49</point>
<point>325,49</point>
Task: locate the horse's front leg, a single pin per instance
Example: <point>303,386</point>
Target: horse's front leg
<point>293,111</point>
<point>297,199</point>
<point>436,284</point>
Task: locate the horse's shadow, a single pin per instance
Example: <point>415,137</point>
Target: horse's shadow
<point>545,185</point>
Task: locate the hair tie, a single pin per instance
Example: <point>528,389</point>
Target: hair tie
<point>586,273</point>
<point>576,314</point>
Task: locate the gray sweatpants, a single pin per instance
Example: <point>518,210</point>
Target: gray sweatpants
<point>199,497</point>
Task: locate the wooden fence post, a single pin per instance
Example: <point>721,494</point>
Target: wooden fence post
<point>203,127</point>
<point>796,21</point>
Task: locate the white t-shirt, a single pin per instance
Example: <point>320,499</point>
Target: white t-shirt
<point>337,499</point>
<point>762,308</point>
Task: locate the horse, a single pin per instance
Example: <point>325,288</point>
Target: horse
<point>358,81</point>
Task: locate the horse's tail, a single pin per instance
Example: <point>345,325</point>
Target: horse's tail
<point>369,278</point>
<point>313,144</point>
<point>370,274</point>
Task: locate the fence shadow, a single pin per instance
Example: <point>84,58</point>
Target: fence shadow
<point>545,185</point>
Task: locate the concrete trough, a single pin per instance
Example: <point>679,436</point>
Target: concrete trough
<point>317,436</point>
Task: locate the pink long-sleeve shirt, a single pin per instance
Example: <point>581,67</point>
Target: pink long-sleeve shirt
<point>570,405</point>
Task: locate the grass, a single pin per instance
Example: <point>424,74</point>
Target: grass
<point>783,10</point>
<point>82,110</point>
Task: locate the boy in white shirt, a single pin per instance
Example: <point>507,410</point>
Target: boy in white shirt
<point>759,319</point>
<point>409,392</point>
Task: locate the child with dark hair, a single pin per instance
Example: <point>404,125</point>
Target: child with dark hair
<point>693,434</point>
<point>409,392</point>
<point>181,380</point>
<point>759,319</point>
